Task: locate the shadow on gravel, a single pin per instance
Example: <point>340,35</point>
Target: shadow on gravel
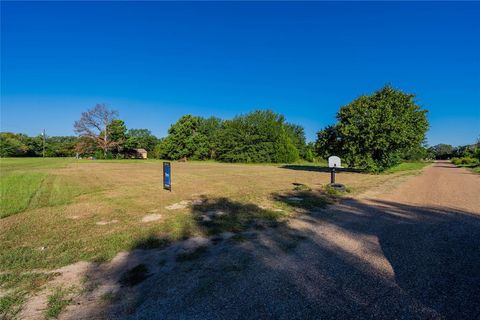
<point>356,260</point>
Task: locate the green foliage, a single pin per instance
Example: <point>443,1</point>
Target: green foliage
<point>417,153</point>
<point>296,133</point>
<point>442,151</point>
<point>20,145</point>
<point>374,132</point>
<point>60,146</point>
<point>57,301</point>
<point>140,138</point>
<point>328,142</point>
<point>260,136</point>
<point>185,140</point>
<point>476,153</point>
<point>209,128</point>
<point>117,131</point>
<point>466,161</point>
<point>10,305</point>
<point>310,152</point>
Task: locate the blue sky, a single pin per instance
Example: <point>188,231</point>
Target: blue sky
<point>154,61</point>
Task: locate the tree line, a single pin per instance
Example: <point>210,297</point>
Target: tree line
<point>373,132</point>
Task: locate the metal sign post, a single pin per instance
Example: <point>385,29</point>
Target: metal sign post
<point>332,175</point>
<point>334,162</point>
<point>167,176</point>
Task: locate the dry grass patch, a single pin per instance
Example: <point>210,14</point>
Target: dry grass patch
<point>58,225</point>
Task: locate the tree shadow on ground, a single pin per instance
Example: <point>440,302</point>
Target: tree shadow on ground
<point>313,168</point>
<point>356,260</point>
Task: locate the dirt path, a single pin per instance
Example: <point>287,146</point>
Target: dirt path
<point>411,253</point>
<point>441,185</point>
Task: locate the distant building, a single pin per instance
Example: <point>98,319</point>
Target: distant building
<point>141,153</point>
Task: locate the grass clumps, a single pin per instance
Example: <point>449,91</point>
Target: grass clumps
<point>17,286</point>
<point>57,302</point>
<point>301,187</point>
<point>11,304</point>
<point>306,200</point>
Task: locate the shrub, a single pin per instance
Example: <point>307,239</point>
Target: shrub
<point>465,161</point>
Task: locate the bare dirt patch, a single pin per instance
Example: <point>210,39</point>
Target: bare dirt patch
<point>151,217</point>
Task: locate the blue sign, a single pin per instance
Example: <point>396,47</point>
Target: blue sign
<point>167,176</point>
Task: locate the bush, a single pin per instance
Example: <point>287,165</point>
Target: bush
<point>465,161</point>
<point>260,136</point>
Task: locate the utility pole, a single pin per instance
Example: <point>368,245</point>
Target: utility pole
<point>43,133</point>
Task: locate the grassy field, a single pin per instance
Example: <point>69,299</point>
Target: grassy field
<point>408,167</point>
<point>55,212</point>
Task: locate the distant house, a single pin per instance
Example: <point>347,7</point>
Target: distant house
<point>141,153</point>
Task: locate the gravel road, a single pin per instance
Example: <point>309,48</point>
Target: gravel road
<point>413,253</point>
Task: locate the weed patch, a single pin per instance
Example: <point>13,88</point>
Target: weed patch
<point>11,304</point>
<point>57,301</point>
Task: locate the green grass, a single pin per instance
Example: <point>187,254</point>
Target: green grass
<point>28,183</point>
<point>50,209</point>
<point>15,164</point>
<point>17,286</point>
<point>17,190</point>
<point>476,169</point>
<point>57,301</point>
<point>408,166</point>
<point>11,304</point>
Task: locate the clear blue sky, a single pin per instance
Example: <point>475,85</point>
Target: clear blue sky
<point>156,61</point>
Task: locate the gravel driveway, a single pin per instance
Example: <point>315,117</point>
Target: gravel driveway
<point>411,254</point>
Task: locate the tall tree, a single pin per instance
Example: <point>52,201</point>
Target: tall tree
<point>442,151</point>
<point>374,132</point>
<point>260,136</point>
<point>297,136</point>
<point>93,124</point>
<point>209,128</point>
<point>184,140</point>
<point>140,138</point>
<point>117,134</point>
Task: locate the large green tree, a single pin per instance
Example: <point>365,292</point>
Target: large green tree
<point>374,132</point>
<point>260,136</point>
<point>442,151</point>
<point>185,140</point>
<point>140,138</point>
<point>297,136</point>
<point>117,132</point>
<point>13,145</point>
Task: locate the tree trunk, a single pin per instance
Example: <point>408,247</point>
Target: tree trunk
<point>105,142</point>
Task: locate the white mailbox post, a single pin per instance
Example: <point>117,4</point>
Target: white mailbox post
<point>333,162</point>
